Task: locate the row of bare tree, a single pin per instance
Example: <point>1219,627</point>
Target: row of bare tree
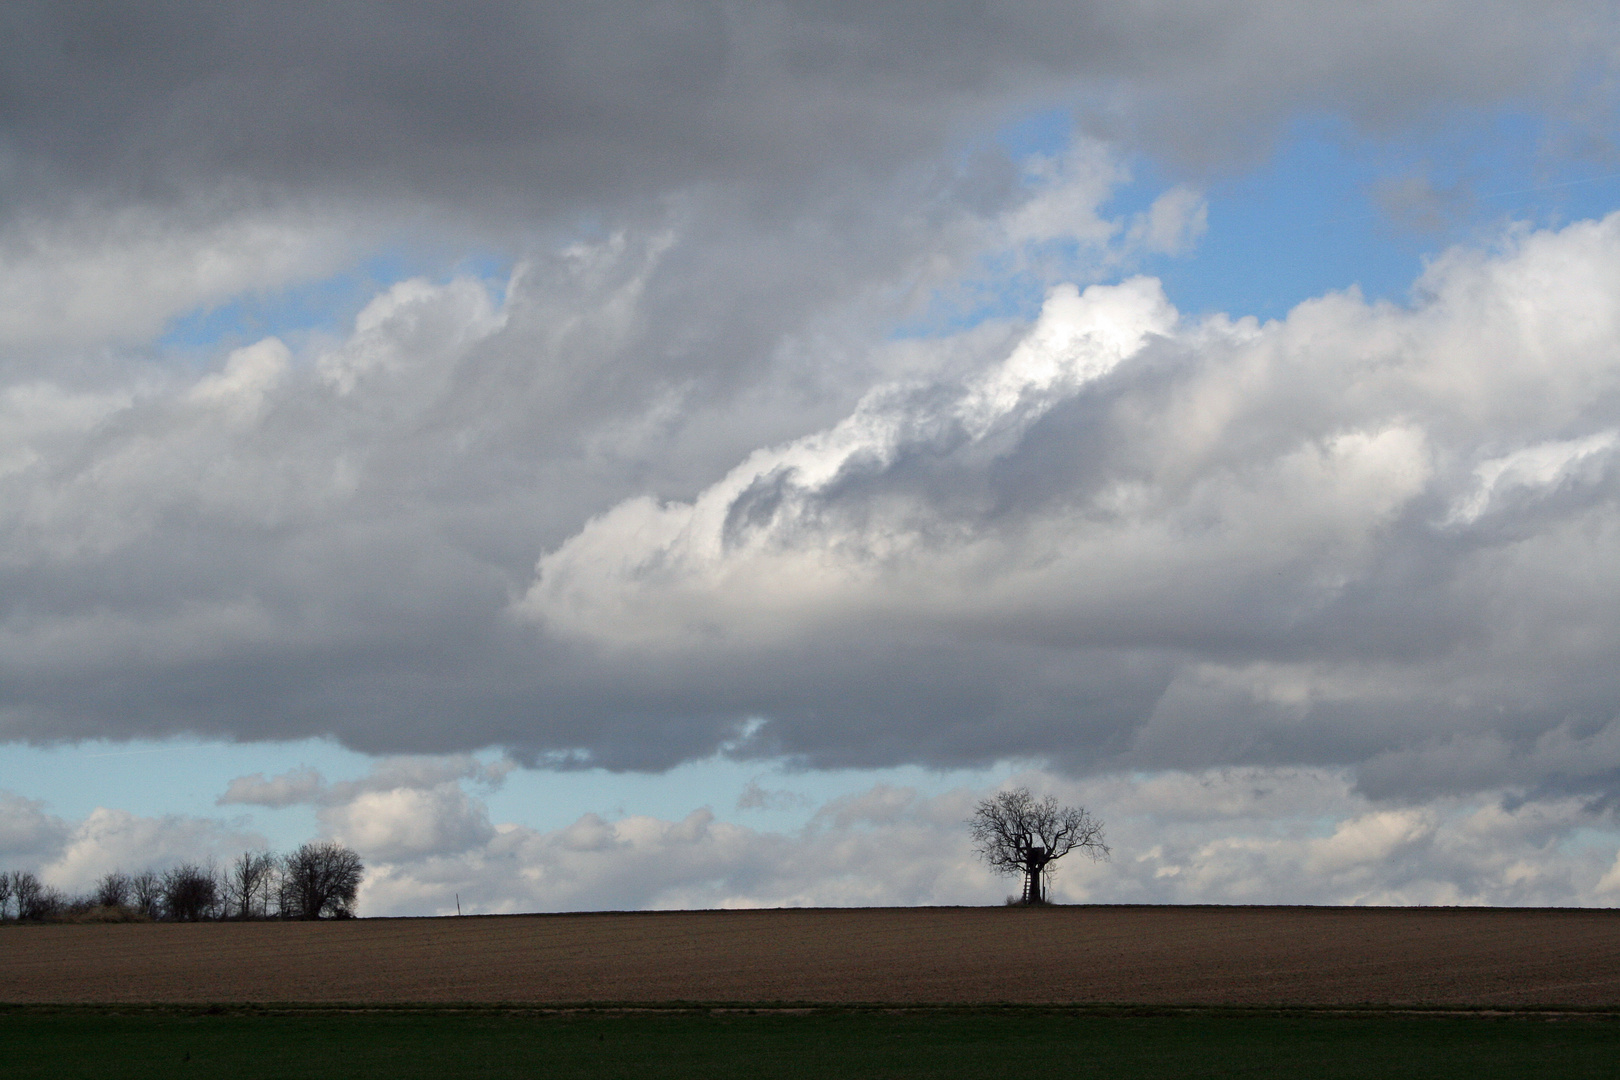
<point>319,880</point>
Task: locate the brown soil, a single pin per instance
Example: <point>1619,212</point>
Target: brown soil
<point>1205,955</point>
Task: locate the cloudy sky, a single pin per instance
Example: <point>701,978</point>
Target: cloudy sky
<point>585,456</point>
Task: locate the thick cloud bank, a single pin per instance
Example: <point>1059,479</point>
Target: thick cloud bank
<point>1369,536</point>
<point>1364,535</point>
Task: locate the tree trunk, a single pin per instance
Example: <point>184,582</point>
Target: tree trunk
<point>1034,864</point>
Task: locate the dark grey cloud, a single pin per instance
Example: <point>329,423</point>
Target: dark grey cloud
<point>552,105</point>
<point>532,107</point>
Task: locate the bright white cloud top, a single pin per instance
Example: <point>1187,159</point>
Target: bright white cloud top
<point>802,398</point>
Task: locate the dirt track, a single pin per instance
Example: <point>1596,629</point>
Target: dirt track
<point>1123,954</point>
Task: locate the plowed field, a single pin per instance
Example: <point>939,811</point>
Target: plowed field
<point>1189,955</point>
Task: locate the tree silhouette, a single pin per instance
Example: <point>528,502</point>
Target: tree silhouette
<point>190,892</point>
<point>34,899</point>
<point>1018,834</point>
<point>320,879</point>
<point>113,890</point>
<point>146,888</point>
<point>248,883</point>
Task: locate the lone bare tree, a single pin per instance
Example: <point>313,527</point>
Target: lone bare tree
<point>1017,833</point>
<point>320,879</point>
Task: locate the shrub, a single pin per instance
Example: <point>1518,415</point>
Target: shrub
<point>190,892</point>
<point>113,890</point>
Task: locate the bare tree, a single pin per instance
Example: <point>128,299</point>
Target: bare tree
<point>190,892</point>
<point>34,900</point>
<point>50,902</point>
<point>320,879</point>
<point>113,890</point>
<point>26,888</point>
<point>1018,834</point>
<point>248,884</point>
<point>5,892</point>
<point>146,888</point>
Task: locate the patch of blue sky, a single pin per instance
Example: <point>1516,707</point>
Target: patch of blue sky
<point>182,777</point>
<point>1588,840</point>
<point>323,307</point>
<point>1333,210</point>
<point>1047,132</point>
<point>1300,227</point>
<point>1330,209</point>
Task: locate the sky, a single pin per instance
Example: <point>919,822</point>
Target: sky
<point>585,458</point>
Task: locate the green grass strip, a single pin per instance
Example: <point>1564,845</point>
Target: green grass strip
<point>718,1042</point>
